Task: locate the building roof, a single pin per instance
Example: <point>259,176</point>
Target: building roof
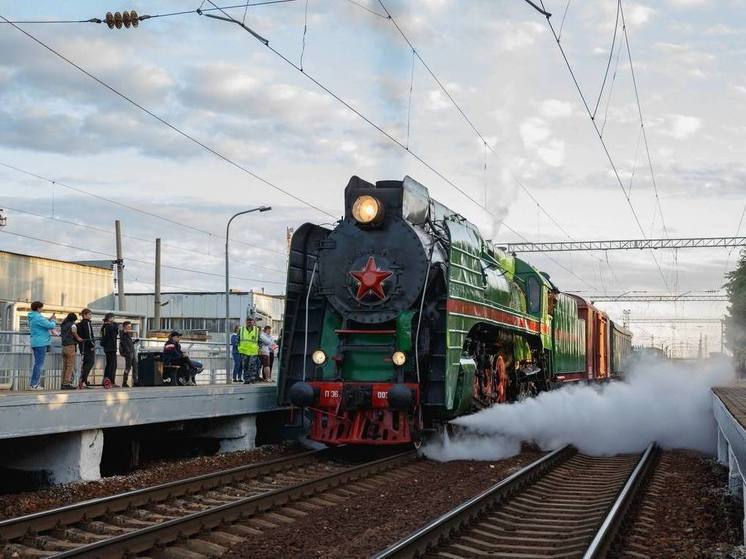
<point>232,292</point>
<point>105,264</point>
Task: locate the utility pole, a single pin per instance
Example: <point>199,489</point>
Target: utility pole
<point>120,266</point>
<point>157,296</point>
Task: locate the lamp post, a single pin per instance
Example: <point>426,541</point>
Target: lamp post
<point>227,288</point>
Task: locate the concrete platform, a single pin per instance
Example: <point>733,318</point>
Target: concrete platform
<point>63,434</point>
<point>729,409</point>
<point>25,414</point>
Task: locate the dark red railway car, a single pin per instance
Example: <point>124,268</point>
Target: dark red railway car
<point>597,335</point>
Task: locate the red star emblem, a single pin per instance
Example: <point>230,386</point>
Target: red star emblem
<point>370,279</point>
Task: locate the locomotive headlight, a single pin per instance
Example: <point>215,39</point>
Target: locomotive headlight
<point>318,357</point>
<point>367,210</point>
<point>399,358</point>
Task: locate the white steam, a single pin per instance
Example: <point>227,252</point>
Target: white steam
<point>659,401</point>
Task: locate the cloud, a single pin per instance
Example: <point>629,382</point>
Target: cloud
<point>554,108</point>
<point>511,36</point>
<point>537,135</point>
<point>682,127</point>
<point>637,14</point>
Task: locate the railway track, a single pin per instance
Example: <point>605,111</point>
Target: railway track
<point>197,517</point>
<point>564,505</point>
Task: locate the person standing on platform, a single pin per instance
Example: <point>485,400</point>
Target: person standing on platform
<point>87,347</point>
<point>266,349</point>
<point>236,355</point>
<point>248,347</point>
<point>41,339</point>
<point>109,333</point>
<point>127,350</point>
<point>70,340</point>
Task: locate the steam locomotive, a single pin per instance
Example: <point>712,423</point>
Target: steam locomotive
<point>403,317</point>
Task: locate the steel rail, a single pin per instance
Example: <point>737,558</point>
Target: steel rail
<point>164,533</point>
<point>612,524</point>
<point>18,527</point>
<point>418,542</point>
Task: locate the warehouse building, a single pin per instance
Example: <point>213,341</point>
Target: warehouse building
<point>200,311</point>
<point>62,286</point>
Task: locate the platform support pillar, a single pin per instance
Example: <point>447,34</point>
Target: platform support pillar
<point>235,433</point>
<point>735,481</point>
<point>723,448</point>
<point>66,457</point>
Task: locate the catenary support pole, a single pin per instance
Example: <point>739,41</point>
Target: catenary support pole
<point>157,296</point>
<point>120,267</point>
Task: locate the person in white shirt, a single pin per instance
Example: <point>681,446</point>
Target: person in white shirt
<point>266,347</point>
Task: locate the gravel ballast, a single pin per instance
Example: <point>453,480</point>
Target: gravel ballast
<point>372,520</point>
<point>152,473</point>
<point>686,512</point>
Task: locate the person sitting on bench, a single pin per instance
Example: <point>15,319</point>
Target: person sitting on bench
<point>174,356</point>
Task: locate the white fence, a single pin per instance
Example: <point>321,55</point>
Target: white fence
<point>16,361</point>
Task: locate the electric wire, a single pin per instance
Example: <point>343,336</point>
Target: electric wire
<point>645,142</point>
<point>133,237</point>
<point>611,54</point>
<point>144,17</point>
<point>603,144</point>
<point>380,129</point>
<point>173,127</point>
<point>132,208</point>
<point>129,259</point>
<point>463,114</point>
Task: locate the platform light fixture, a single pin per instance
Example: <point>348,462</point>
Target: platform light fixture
<point>227,287</point>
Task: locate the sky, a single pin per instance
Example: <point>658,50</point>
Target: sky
<point>283,134</point>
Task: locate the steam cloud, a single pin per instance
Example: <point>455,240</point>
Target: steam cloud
<point>659,401</point>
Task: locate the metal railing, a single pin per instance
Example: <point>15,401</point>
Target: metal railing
<point>16,361</point>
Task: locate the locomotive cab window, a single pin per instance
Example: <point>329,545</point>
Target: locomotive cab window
<point>534,295</point>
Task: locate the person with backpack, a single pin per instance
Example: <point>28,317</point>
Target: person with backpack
<point>109,334</point>
<point>87,346</point>
<point>70,340</point>
<point>41,339</point>
<point>127,350</point>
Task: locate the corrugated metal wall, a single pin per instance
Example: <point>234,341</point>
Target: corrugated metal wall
<point>62,284</point>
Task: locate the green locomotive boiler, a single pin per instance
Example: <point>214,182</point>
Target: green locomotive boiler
<point>403,317</point>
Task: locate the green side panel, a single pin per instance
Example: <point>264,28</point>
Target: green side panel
<point>466,370</point>
<point>329,342</point>
<point>368,361</point>
<point>457,329</point>
<point>537,289</point>
<point>404,333</point>
<point>507,262</point>
<point>569,336</point>
<point>521,349</point>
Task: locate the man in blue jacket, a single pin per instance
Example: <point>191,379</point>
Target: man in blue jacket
<point>41,338</point>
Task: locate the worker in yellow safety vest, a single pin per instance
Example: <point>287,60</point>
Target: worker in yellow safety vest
<point>248,348</point>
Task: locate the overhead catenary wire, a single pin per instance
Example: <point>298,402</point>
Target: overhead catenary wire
<point>132,208</point>
<point>129,259</point>
<point>645,140</point>
<point>468,120</point>
<point>144,17</point>
<point>463,114</point>
<point>173,127</point>
<point>131,237</point>
<point>603,143</point>
<point>370,122</point>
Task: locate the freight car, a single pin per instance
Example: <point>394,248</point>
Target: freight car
<point>403,317</point>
